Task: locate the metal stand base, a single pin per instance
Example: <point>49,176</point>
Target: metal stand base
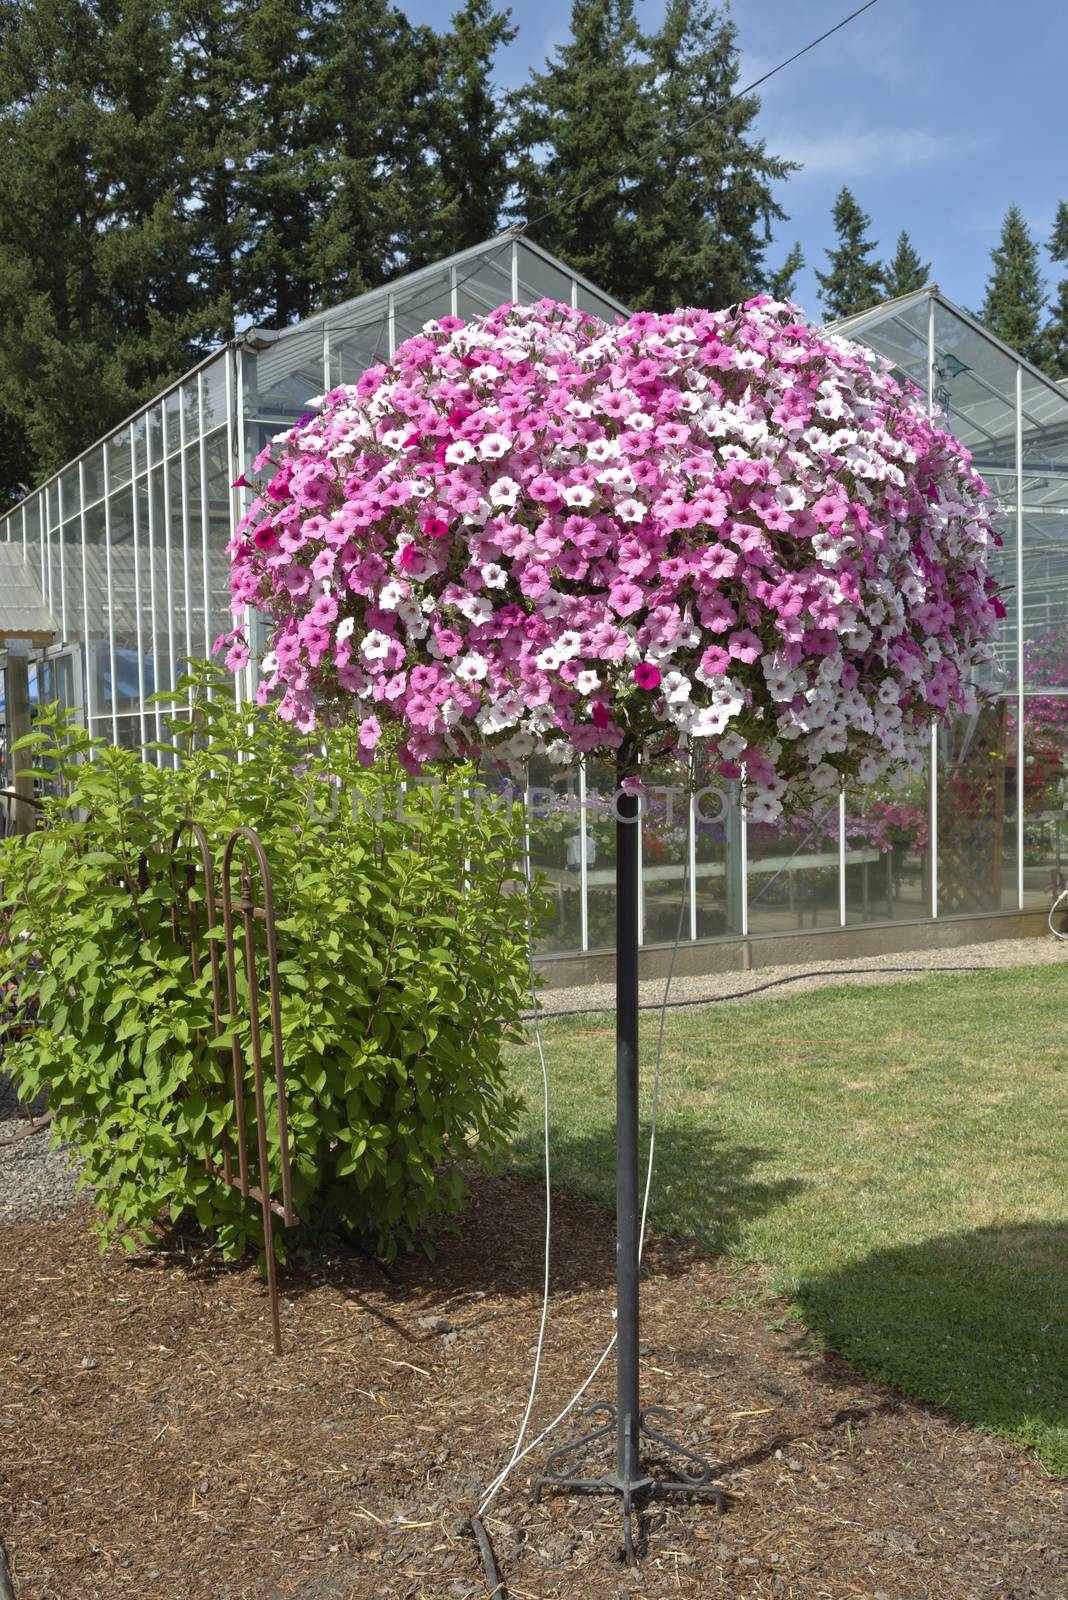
<point>635,1480</point>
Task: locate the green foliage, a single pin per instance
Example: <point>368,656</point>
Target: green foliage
<point>662,204</point>
<point>403,961</point>
<point>1055,333</point>
<point>1015,297</point>
<point>95,293</point>
<point>853,281</point>
<point>782,281</point>
<point>906,272</point>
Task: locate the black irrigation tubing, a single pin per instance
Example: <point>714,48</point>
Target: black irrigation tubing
<point>497,1591</point>
<point>743,994</point>
<point>7,1587</point>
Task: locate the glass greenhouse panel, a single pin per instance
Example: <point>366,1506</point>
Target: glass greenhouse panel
<point>540,279</point>
<point>888,851</point>
<point>553,822</point>
<point>793,871</point>
<point>588,300</point>
<point>484,284</point>
<point>977,838</point>
<point>71,551</point>
<point>1045,799</point>
<point>601,854</point>
<point>118,447</point>
<point>718,889</point>
<point>53,563</point>
<point>33,515</point>
<point>430,298</point>
<point>92,468</point>
<point>70,493</point>
<point>900,336</point>
<point>975,386</point>
<point>354,349</point>
<point>162,597</point>
<point>172,427</point>
<point>282,380</point>
<point>1045,601</point>
<point>213,394</point>
<point>217,465</point>
<point>665,849</point>
<point>154,435</point>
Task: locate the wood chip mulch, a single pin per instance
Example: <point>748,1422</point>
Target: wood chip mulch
<point>152,1447</point>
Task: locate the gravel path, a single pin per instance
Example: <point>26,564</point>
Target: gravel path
<point>769,982</point>
<point>35,1180</point>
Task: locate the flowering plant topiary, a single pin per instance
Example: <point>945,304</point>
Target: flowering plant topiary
<point>534,531</point>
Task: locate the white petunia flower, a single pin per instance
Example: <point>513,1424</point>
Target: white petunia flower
<point>376,645</point>
<point>494,445</point>
<point>459,453</point>
<point>578,494</point>
<point>472,667</point>
<point>505,492</point>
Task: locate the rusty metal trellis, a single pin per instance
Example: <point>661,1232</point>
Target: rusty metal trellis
<point>243,907</point>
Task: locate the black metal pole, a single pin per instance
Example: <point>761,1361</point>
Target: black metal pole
<point>627,1213</point>
<point>630,1478</point>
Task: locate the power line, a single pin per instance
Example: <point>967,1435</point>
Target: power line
<point>518,229</point>
<point>716,111</point>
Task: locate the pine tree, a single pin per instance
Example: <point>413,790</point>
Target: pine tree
<point>471,138</point>
<point>1055,333</point>
<point>781,283</point>
<point>681,202</point>
<point>282,187</point>
<point>582,126</point>
<point>707,191</point>
<point>1014,299</point>
<point>213,87</point>
<point>853,282</point>
<point>906,273</point>
<point>96,300</point>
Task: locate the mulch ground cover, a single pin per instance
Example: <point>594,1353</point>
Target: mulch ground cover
<point>152,1446</point>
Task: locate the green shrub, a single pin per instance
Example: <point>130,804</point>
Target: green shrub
<point>402,944</point>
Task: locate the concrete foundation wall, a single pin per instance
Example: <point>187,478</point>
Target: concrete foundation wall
<point>695,958</point>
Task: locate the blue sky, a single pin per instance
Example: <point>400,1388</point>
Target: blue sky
<point>938,115</point>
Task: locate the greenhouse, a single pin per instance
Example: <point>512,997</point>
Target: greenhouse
<point>128,547</point>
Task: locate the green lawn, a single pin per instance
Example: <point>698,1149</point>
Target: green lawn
<point>895,1156</point>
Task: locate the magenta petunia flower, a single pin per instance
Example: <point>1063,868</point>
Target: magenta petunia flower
<point>646,676</point>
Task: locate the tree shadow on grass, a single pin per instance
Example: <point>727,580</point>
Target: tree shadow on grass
<point>704,1190</point>
<point>976,1322</point>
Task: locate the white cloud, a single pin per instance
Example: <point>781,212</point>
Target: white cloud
<point>851,152</point>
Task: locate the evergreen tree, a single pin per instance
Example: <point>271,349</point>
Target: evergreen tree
<point>96,299</point>
<point>780,283</point>
<point>853,281</point>
<point>472,141</point>
<point>1055,333</point>
<point>213,87</point>
<point>582,127</point>
<point>708,205</point>
<point>282,187</point>
<point>681,204</point>
<point>906,273</point>
<point>1014,299</point>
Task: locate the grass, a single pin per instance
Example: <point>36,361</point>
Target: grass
<point>895,1156</point>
